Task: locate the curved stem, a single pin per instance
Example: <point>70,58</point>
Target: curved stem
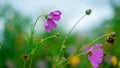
<point>70,33</point>
<point>32,51</point>
<point>80,49</point>
<point>45,40</point>
<point>98,38</point>
<point>34,24</point>
<point>32,29</point>
<point>32,33</point>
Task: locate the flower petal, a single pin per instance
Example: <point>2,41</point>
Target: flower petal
<point>47,28</point>
<point>95,46</point>
<point>52,23</point>
<point>55,15</point>
<point>96,56</point>
<point>98,52</point>
<point>97,59</point>
<point>92,61</point>
<point>57,12</point>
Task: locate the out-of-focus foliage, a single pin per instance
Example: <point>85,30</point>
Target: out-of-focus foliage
<point>15,26</point>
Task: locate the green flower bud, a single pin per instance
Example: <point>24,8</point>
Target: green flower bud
<point>88,12</point>
<point>113,34</point>
<point>57,34</point>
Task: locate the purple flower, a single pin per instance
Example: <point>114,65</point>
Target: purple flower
<point>95,55</point>
<point>50,21</point>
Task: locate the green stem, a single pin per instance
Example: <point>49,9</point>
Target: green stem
<point>47,38</point>
<point>34,24</point>
<point>32,51</point>
<point>30,65</point>
<point>32,33</point>
<point>24,64</point>
<point>98,38</point>
<point>32,29</point>
<point>70,33</point>
<point>80,48</point>
<point>66,37</point>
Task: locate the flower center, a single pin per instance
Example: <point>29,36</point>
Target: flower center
<point>90,53</point>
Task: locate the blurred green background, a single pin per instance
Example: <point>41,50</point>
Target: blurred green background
<point>16,30</point>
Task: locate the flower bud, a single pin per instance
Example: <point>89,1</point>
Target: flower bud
<point>25,57</point>
<point>104,54</point>
<point>88,12</point>
<point>46,16</point>
<point>110,40</point>
<point>57,34</point>
<point>113,34</point>
<point>63,46</point>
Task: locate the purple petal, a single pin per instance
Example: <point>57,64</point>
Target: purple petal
<point>97,59</point>
<point>57,12</point>
<point>95,46</point>
<point>51,23</point>
<point>98,52</point>
<point>55,15</point>
<point>47,28</point>
<point>92,61</point>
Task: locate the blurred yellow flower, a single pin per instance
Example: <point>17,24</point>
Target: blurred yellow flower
<point>119,63</point>
<point>74,60</point>
<point>114,60</point>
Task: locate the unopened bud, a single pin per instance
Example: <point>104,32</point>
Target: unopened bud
<point>110,40</point>
<point>57,34</point>
<point>104,54</point>
<point>25,57</point>
<point>46,16</point>
<point>113,34</point>
<point>63,46</point>
<point>88,12</point>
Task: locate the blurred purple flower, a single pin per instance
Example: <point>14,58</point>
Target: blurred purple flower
<point>85,48</point>
<point>95,55</point>
<point>50,21</point>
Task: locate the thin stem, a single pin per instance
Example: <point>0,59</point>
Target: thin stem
<point>24,64</point>
<point>80,49</point>
<point>34,24</point>
<point>32,33</point>
<point>61,50</point>
<point>105,46</point>
<point>98,38</point>
<point>47,38</point>
<point>70,33</point>
<point>32,52</point>
<point>32,29</point>
<point>31,61</point>
<point>67,60</point>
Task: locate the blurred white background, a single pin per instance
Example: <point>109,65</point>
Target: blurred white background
<point>72,10</point>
